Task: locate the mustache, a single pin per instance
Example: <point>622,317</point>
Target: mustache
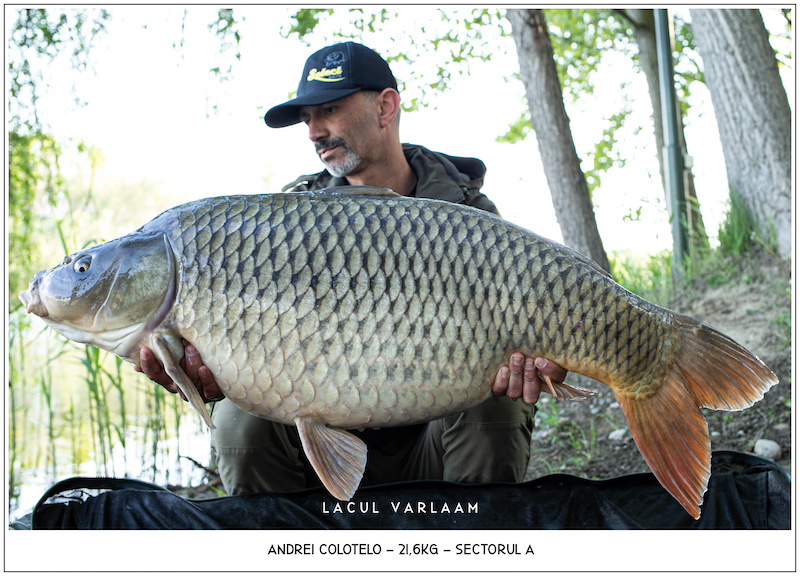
<point>322,144</point>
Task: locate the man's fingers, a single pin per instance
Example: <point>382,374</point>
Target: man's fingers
<point>515,375</point>
<point>210,389</point>
<point>193,362</point>
<point>530,384</point>
<point>153,370</point>
<point>551,369</point>
<point>500,384</point>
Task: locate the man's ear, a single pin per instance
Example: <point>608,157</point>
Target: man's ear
<point>389,101</point>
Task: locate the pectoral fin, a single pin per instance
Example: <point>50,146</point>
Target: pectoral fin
<point>338,457</point>
<point>173,368</point>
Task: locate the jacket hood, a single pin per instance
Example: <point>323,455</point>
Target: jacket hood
<point>464,171</point>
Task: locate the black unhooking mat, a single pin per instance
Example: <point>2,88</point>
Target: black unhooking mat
<point>744,492</point>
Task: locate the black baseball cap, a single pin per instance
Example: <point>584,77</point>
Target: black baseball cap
<point>332,73</point>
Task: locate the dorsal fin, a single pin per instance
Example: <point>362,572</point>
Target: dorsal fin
<point>358,191</point>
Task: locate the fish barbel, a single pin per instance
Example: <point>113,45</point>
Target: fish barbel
<point>359,308</point>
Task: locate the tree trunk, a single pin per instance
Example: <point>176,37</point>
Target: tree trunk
<point>567,183</point>
<point>753,116</point>
<point>643,24</point>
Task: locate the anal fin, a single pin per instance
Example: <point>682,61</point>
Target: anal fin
<point>563,391</point>
<point>338,457</point>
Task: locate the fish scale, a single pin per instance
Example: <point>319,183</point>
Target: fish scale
<point>358,308</point>
<point>346,232</point>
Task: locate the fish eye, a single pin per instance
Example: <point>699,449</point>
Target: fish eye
<point>82,264</point>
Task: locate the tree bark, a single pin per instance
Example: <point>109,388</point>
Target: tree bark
<point>643,24</point>
<point>753,116</point>
<point>567,183</point>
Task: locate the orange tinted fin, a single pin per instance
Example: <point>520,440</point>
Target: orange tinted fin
<point>563,391</point>
<point>718,372</point>
<point>672,436</point>
<point>709,371</point>
<point>338,457</point>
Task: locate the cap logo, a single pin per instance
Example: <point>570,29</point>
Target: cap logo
<point>333,68</point>
<point>334,59</point>
<point>325,74</point>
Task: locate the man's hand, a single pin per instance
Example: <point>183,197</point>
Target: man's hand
<point>192,364</point>
<point>520,379</point>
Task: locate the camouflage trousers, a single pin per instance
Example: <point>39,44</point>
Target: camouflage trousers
<point>487,443</point>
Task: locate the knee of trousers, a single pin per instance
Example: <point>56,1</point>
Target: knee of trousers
<point>490,442</point>
<point>496,412</point>
<point>253,454</point>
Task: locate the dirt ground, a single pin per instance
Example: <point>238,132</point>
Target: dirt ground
<point>753,307</point>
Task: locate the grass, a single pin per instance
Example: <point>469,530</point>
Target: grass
<point>563,436</point>
<point>783,323</point>
<point>651,279</point>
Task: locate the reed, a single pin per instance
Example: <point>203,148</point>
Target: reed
<point>17,408</point>
<point>115,383</point>
<point>98,409</point>
<point>70,407</point>
<point>46,388</point>
<point>156,424</point>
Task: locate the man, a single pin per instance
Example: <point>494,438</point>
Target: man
<point>348,99</point>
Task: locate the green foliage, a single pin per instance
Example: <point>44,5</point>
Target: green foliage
<point>651,278</point>
<point>428,61</point>
<point>687,62</point>
<point>579,38</point>
<point>518,131</point>
<point>36,38</point>
<point>33,173</point>
<point>605,153</point>
<point>305,21</point>
<point>226,29</point>
<point>737,231</point>
<point>565,437</point>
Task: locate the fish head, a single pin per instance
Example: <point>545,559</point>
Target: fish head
<point>109,295</point>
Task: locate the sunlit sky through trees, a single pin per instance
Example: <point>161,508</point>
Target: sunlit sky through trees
<point>170,131</point>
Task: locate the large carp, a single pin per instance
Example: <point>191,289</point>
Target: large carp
<point>358,308</point>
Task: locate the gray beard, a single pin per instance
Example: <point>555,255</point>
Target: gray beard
<point>345,166</point>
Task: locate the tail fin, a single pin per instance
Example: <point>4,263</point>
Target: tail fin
<point>710,371</point>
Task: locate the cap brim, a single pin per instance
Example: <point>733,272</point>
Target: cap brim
<point>288,113</point>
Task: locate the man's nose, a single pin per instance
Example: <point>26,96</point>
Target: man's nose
<point>316,130</point>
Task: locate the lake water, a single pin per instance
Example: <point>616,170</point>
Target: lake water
<point>64,419</point>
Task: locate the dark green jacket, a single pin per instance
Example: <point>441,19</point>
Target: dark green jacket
<point>439,176</point>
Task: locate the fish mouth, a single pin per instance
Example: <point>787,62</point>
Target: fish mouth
<point>31,299</point>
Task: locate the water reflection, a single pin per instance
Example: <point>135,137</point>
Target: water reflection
<point>75,411</point>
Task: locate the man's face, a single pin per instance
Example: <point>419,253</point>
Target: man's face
<point>342,131</point>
